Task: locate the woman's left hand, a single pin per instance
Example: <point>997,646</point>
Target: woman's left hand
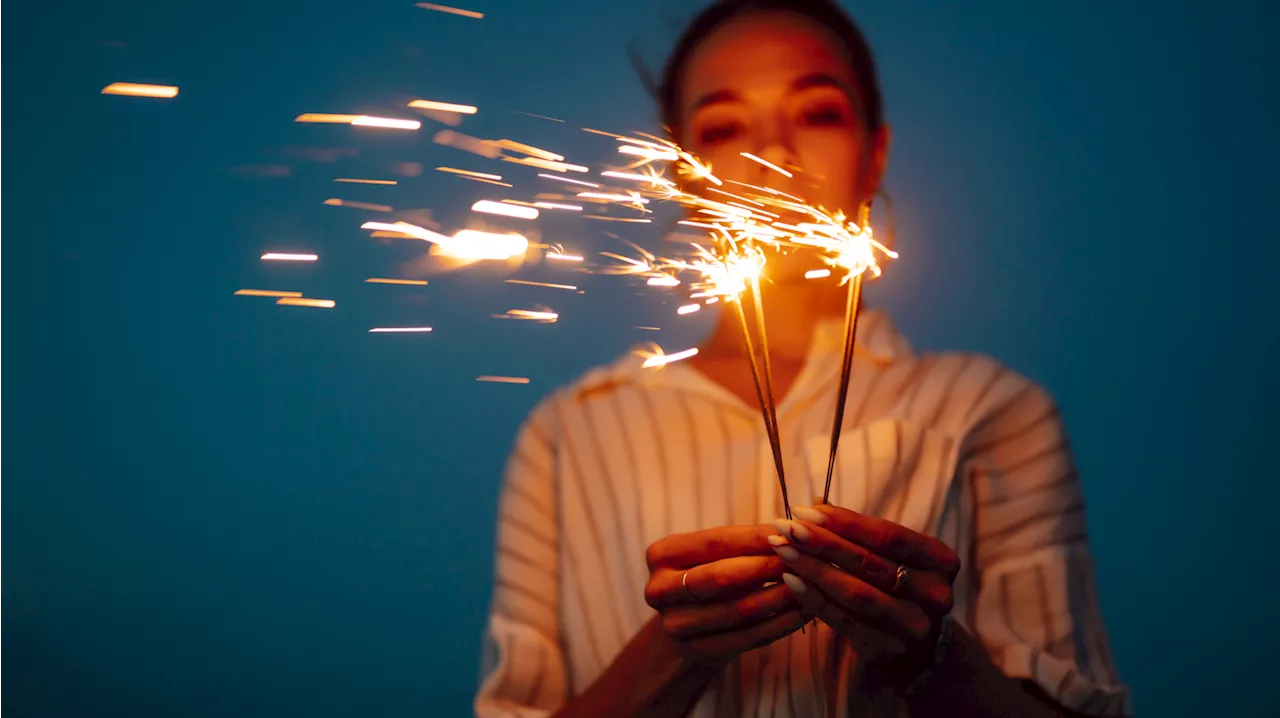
<point>881,585</point>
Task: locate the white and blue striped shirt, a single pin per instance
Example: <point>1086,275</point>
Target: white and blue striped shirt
<point>952,445</point>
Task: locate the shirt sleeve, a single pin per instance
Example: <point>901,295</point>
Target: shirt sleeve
<point>1036,608</point>
<point>523,671</point>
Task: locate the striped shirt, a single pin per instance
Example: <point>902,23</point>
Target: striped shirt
<point>953,445</point>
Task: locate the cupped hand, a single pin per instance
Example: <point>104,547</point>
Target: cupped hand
<point>883,586</point>
<point>718,591</point>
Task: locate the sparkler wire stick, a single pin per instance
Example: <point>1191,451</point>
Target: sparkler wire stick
<point>846,369</point>
<point>769,426</point>
<point>772,417</point>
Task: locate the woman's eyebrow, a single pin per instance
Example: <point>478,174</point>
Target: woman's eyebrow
<point>818,79</point>
<point>714,98</point>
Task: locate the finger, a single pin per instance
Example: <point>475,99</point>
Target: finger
<point>864,602</point>
<point>699,547</point>
<point>686,622</point>
<point>893,541</point>
<point>929,588</point>
<point>713,582</point>
<point>752,637</point>
<point>867,639</point>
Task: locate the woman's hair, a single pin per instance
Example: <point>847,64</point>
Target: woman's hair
<point>825,13</point>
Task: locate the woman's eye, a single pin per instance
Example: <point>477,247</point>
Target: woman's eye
<point>825,116</point>
<point>715,134</point>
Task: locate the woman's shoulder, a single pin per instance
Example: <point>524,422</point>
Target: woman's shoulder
<point>966,393</point>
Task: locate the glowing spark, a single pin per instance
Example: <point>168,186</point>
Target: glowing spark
<point>390,330</point>
<point>364,181</point>
<point>386,122</point>
<point>300,302</point>
<point>651,179</point>
<point>660,359</point>
<point>546,164</point>
<point>688,309</point>
<point>266,293</point>
<point>503,379</point>
<point>486,181</point>
<point>665,280</point>
<point>537,316</point>
<point>474,244</point>
<point>630,199</point>
<point>766,163</point>
<point>553,205</point>
<point>443,107</point>
<point>563,257</point>
<point>712,300</point>
<point>540,284</point>
<point>817,273</point>
<point>467,143</point>
<point>566,179</point>
<point>326,118</point>
<point>285,257</point>
<point>540,117</point>
<point>133,89</point>
<point>469,173</point>
<point>649,329</point>
<point>649,153</point>
<point>618,219</point>
<point>335,202</point>
<point>528,150</point>
<point>506,210</point>
<point>410,282</point>
<point>450,10</point>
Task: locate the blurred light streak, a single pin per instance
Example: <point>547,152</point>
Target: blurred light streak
<point>335,202</point>
<point>537,316</point>
<point>540,284</point>
<point>300,302</point>
<point>411,282</point>
<point>505,210</point>
<point>553,205</point>
<point>326,118</point>
<point>665,280</point>
<point>817,273</point>
<point>266,293</point>
<point>469,173</point>
<point>503,379</point>
<point>450,10</point>
<point>564,257</point>
<point>349,180</point>
<point>540,117</point>
<point>443,107</point>
<point>133,89</point>
<point>661,359</point>
<point>397,330</point>
<point>546,164</point>
<point>688,309</point>
<point>766,163</point>
<point>386,123</point>
<point>566,179</point>
<point>286,257</point>
<point>648,329</point>
<point>528,150</point>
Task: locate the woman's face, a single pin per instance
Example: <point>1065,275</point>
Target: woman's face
<point>778,86</point>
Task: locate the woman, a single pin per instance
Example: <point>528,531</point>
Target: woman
<point>640,569</point>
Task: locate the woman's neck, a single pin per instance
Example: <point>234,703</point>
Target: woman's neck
<point>791,311</point>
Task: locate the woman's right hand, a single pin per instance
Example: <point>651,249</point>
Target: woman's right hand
<point>709,588</point>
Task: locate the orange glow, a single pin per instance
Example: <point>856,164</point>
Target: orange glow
<point>133,89</point>
<point>503,379</point>
<point>300,302</point>
<point>285,257</point>
<point>443,107</point>
<point>449,10</point>
<point>364,181</point>
<point>411,282</point>
<point>266,293</point>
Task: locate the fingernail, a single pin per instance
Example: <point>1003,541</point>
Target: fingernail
<point>805,513</point>
<point>776,541</point>
<point>794,583</point>
<point>797,532</point>
<point>788,553</point>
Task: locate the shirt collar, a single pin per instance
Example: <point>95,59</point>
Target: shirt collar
<point>878,341</point>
